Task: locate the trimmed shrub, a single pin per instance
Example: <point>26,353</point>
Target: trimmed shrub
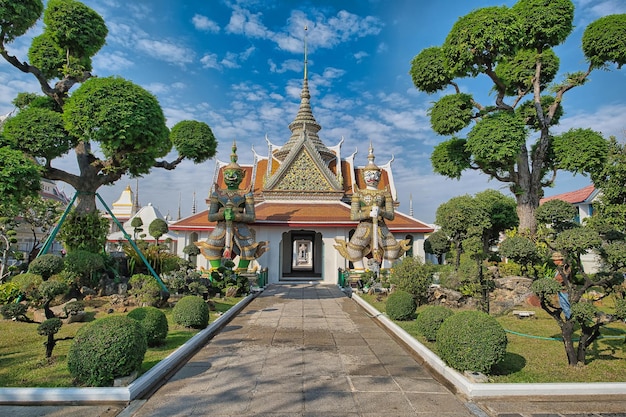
<point>429,321</point>
<point>471,341</point>
<point>15,311</point>
<point>400,305</point>
<point>28,284</point>
<point>105,349</point>
<point>413,276</point>
<point>154,323</point>
<point>87,265</point>
<point>191,311</point>
<point>145,289</point>
<point>46,265</point>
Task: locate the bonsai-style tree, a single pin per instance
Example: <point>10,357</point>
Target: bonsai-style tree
<point>136,224</point>
<point>511,139</point>
<point>474,224</point>
<point>157,228</point>
<point>569,297</point>
<point>113,126</point>
<point>437,244</point>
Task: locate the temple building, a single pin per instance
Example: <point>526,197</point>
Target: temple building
<point>302,192</point>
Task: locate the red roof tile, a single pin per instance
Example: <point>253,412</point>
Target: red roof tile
<point>298,214</point>
<point>572,197</point>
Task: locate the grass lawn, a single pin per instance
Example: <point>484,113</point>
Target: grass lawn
<point>22,352</point>
<point>532,358</point>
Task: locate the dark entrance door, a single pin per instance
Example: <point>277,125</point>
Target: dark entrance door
<point>302,255</point>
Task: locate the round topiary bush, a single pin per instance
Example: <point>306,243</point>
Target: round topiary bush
<point>471,341</point>
<point>145,289</point>
<point>46,265</point>
<point>154,323</point>
<point>400,305</point>
<point>429,321</point>
<point>191,311</point>
<point>106,349</point>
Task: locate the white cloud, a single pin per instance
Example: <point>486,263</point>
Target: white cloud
<point>243,22</point>
<point>210,61</point>
<point>112,61</point>
<point>205,24</point>
<point>166,51</point>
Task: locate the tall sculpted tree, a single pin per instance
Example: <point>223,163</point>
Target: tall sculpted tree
<point>511,139</point>
<point>113,126</point>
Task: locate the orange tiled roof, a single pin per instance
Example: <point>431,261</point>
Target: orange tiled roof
<point>572,197</point>
<point>295,214</point>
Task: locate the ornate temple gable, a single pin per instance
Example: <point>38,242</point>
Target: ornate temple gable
<point>303,172</point>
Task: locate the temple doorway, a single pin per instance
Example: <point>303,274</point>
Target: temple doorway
<point>301,255</point>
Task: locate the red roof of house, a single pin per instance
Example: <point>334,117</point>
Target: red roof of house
<point>572,197</point>
<point>303,214</point>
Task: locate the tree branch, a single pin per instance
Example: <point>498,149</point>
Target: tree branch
<point>168,165</point>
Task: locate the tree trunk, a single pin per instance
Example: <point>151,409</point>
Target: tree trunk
<point>50,345</point>
<point>567,330</point>
<point>526,206</point>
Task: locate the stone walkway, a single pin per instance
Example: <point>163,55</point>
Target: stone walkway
<point>302,350</point>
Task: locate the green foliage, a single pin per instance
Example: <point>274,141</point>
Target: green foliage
<point>191,250</point>
<point>471,340</point>
<point>85,264</point>
<point>437,244</point>
<point>145,289</point>
<point>123,118</point>
<point>528,113</point>
<point>38,132</point>
<point>17,16</point>
<point>9,291</point>
<point>157,228</point>
<point>191,311</point>
<point>105,349</point>
<point>46,265</point>
<point>519,249</point>
<point>584,312</point>
<point>517,71</point>
<point>544,24</point>
<point>73,307</point>
<point>20,176</point>
<point>556,214</point>
<point>413,276</point>
<point>28,285</point>
<point>496,139</point>
<point>51,288</point>
<point>603,41</point>
<point>428,70</point>
<point>489,31</point>
<point>84,231</point>
<point>50,327</point>
<point>580,150</point>
<point>576,242</point>
<point>450,158</point>
<point>545,287</point>
<point>15,311</point>
<point>451,113</point>
<point>74,27</point>
<point>194,140</point>
<point>429,321</point>
<point>154,323</point>
<point>610,178</point>
<point>400,306</point>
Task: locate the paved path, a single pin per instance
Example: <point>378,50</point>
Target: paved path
<point>302,350</point>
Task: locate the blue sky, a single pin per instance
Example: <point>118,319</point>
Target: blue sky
<point>238,66</point>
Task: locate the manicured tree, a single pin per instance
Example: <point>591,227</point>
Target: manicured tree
<point>412,276</point>
<point>49,328</point>
<point>46,265</point>
<point>136,224</point>
<point>520,249</point>
<point>48,290</point>
<point>511,140</point>
<point>565,297</point>
<point>437,244</point>
<point>122,119</point>
<point>157,228</point>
